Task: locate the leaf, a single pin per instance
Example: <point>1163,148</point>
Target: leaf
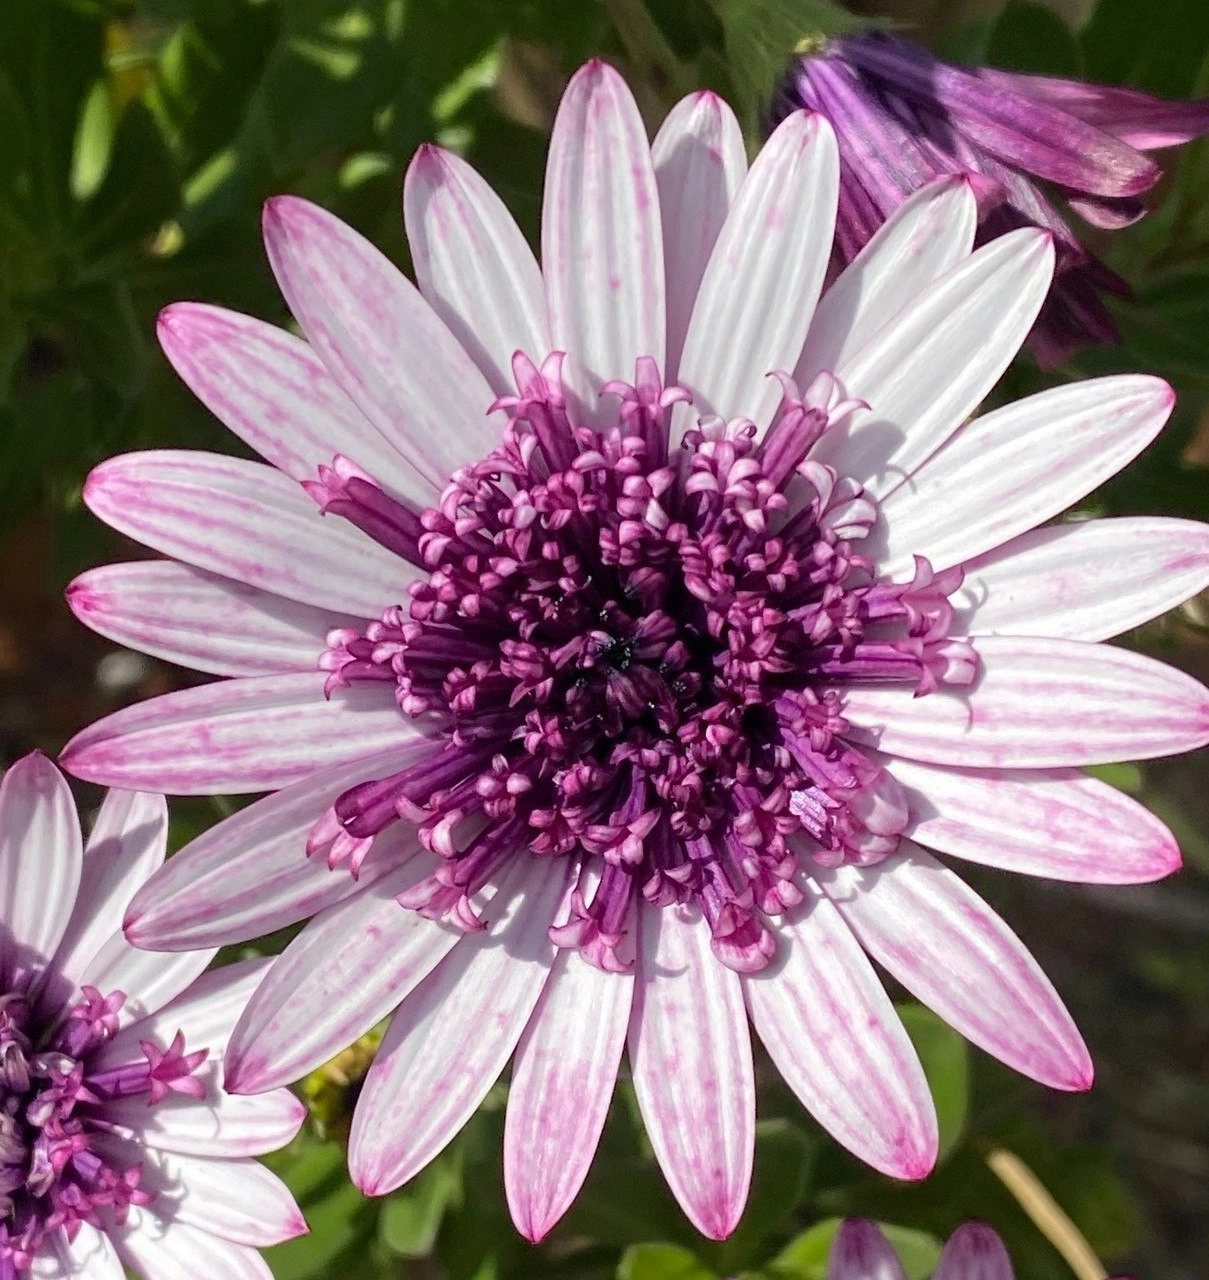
<point>661,1262</point>
<point>805,1257</point>
<point>1029,37</point>
<point>412,1216</point>
<point>1158,47</point>
<point>945,1059</point>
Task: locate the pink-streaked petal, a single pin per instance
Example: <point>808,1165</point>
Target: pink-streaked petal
<point>831,1031</point>
<point>923,238</point>
<point>149,978</point>
<point>221,1126</point>
<point>602,245</point>
<point>199,620</point>
<point>1060,824</point>
<point>41,855</point>
<point>239,1200</point>
<point>249,522</point>
<point>449,1040</point>
<point>923,375</point>
<point>974,1252</point>
<point>126,844</point>
<point>951,951</point>
<point>562,1080</point>
<point>344,972</point>
<point>1086,581</point>
<point>249,875</point>
<point>90,1256</point>
<point>382,342</point>
<point>1011,469</point>
<point>759,290</point>
<point>473,265</point>
<point>238,736</point>
<point>275,393</point>
<point>861,1252</point>
<point>690,1051</point>
<point>178,1250</point>
<point>699,163</point>
<point>1039,703</point>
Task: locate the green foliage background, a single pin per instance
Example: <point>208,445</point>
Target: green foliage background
<point>137,142</point>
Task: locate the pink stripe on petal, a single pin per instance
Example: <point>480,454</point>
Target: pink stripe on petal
<point>203,621</point>
<point>473,265</point>
<point>127,843</point>
<point>381,341</point>
<point>764,276</point>
<point>243,735</point>
<point>41,856</point>
<point>699,163</point>
<point>1060,824</point>
<point>1011,469</point>
<point>249,875</point>
<point>1040,704</point>
<point>276,394</point>
<point>1086,581</point>
<point>181,1251</point>
<point>924,237</point>
<point>974,1252</point>
<point>562,1081</point>
<point>690,1052</point>
<point>831,1031</point>
<point>602,246</point>
<point>450,1039</point>
<point>951,951</point>
<point>924,374</point>
<point>861,1252</point>
<point>248,522</point>
<point>345,971</point>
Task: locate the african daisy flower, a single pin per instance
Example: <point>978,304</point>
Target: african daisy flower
<point>903,118</point>
<point>624,677</point>
<point>118,1147</point>
<point>862,1252</point>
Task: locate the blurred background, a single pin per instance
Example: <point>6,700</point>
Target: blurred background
<point>138,140</point>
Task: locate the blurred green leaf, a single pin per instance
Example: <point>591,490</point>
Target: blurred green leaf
<point>1033,38</point>
<point>945,1059</point>
<point>412,1216</point>
<point>1159,47</point>
<point>661,1262</point>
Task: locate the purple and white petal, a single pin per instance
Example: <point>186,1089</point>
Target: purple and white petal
<point>183,1251</point>
<point>938,938</point>
<point>974,1252</point>
<point>862,1252</point>
<point>690,1053</point>
<point>90,1256</point>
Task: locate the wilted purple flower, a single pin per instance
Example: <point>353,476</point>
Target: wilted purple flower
<point>904,118</point>
<point>634,713</point>
<point>117,1145</point>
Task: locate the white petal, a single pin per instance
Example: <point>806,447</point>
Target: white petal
<point>276,394</point>
<point>1086,581</point>
<point>381,341</point>
<point>249,522</point>
<point>181,1251</point>
<point>450,1039</point>
<point>691,1057</point>
<point>831,1031</point>
<point>1009,470</point>
<point>1040,704</point>
<point>562,1081</point>
<point>1061,823</point>
<point>90,1256</point>
<point>699,163</point>
<point>923,238</point>
<point>238,736</point>
<point>200,620</point>
<point>602,246</point>
<point>764,276</point>
<point>925,373</point>
<point>41,852</point>
<point>473,265</point>
<point>951,951</point>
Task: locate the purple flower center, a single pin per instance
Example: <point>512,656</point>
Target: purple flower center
<point>59,1165</point>
<point>637,658</point>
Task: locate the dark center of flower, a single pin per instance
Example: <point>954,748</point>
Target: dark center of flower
<point>60,1165</point>
<point>636,657</point>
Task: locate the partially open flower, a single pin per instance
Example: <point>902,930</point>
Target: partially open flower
<point>653,617</point>
<point>904,118</point>
<point>118,1147</point>
<point>862,1252</point>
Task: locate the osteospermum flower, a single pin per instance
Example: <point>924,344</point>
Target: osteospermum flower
<point>118,1147</point>
<point>862,1252</point>
<point>655,623</point>
<point>903,118</point>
